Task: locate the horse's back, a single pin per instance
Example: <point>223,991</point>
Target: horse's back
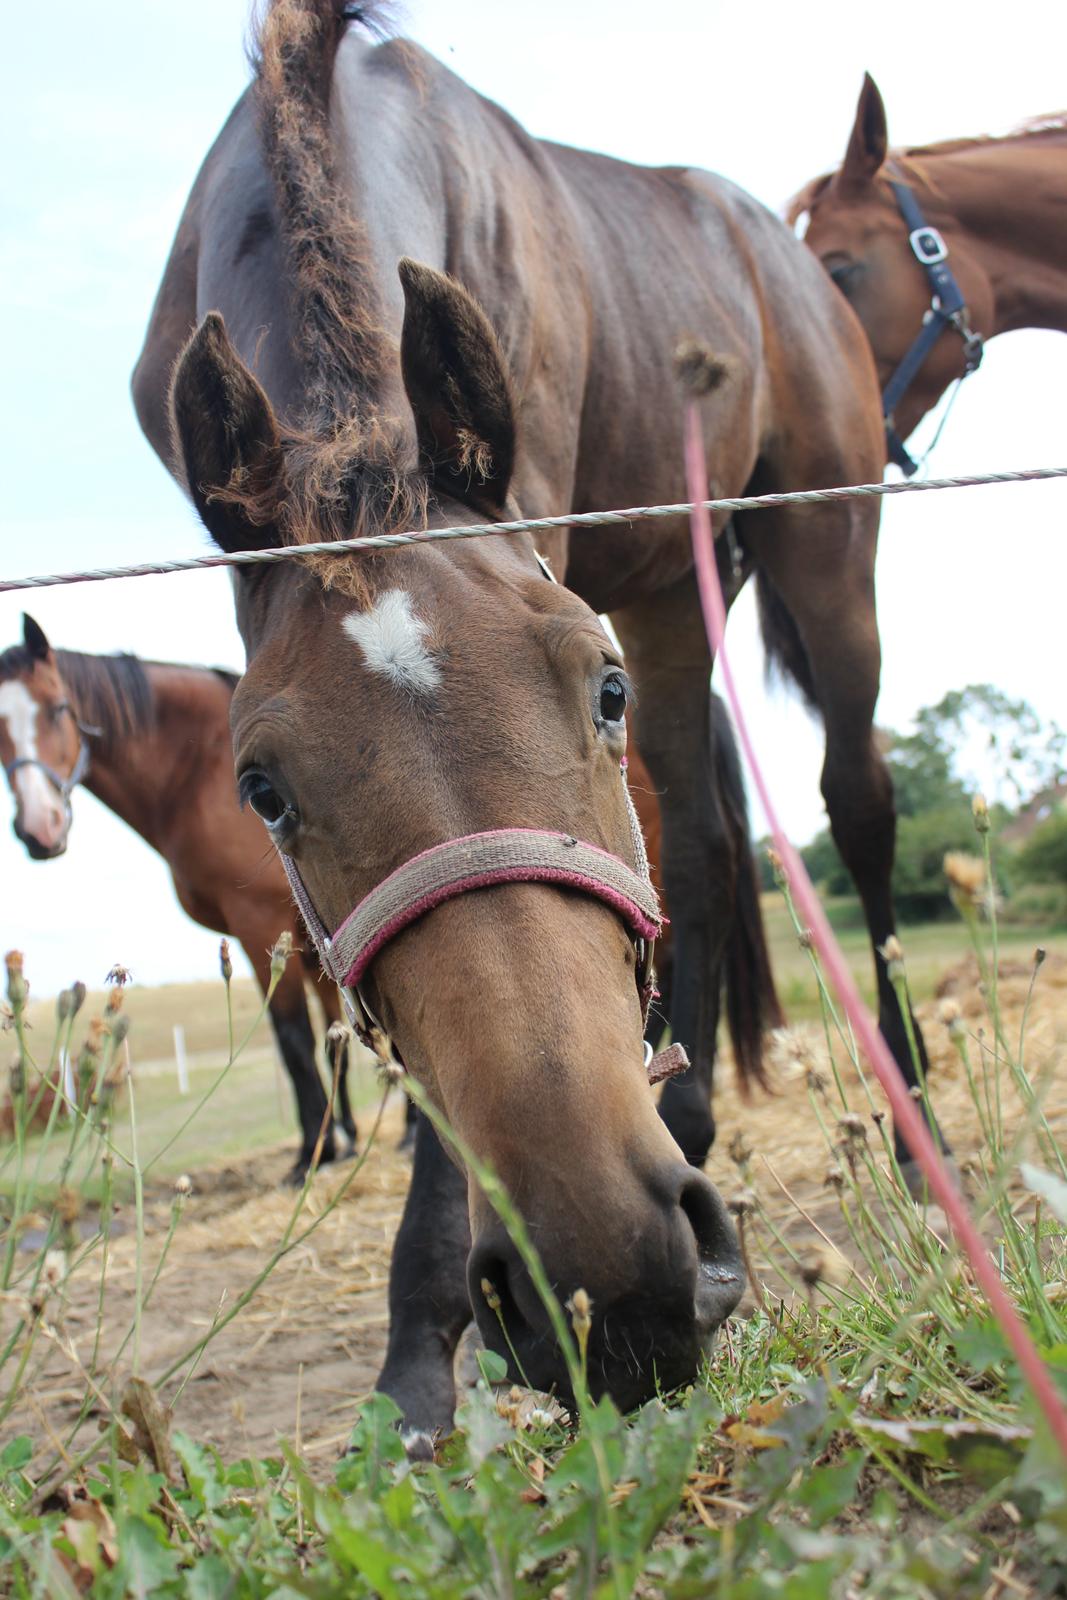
<point>590,269</point>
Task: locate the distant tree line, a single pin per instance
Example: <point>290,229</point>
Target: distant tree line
<point>974,740</point>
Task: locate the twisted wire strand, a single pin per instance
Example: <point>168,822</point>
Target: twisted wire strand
<point>481,530</point>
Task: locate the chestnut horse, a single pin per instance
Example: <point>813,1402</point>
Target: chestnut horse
<point>396,702</point>
<point>996,205</point>
<point>152,742</point>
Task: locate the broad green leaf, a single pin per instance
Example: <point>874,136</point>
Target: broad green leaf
<point>985,1451</point>
<point>145,1562</point>
<point>827,1491</point>
<point>16,1454</point>
<point>980,1343</point>
<point>201,1468</point>
<point>209,1578</point>
<point>492,1366</point>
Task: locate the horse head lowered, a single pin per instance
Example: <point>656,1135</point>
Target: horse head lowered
<point>397,701</point>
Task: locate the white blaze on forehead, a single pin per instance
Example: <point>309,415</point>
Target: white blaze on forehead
<point>393,641</point>
<point>18,710</point>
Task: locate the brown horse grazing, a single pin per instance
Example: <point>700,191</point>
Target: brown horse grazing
<point>582,344</point>
<point>394,703</point>
<point>152,742</point>
<point>997,207</point>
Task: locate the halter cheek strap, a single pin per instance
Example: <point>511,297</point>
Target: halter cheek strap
<point>64,787</point>
<point>947,312</point>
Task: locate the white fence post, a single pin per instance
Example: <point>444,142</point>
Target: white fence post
<point>68,1081</point>
<point>180,1059</point>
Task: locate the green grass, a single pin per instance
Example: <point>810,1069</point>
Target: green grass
<point>864,1439</point>
<point>251,1109</point>
<point>931,948</point>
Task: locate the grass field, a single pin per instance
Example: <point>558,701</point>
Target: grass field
<point>252,1109</point>
<point>861,1431</point>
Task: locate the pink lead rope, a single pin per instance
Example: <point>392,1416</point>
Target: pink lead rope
<point>906,1116</point>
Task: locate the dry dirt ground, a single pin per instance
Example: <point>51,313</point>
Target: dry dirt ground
<point>297,1360</point>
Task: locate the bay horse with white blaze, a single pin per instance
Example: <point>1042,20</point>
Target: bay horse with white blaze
<point>405,716</point>
<point>890,224</point>
<point>152,742</point>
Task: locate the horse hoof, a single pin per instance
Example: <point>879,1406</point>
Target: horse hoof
<point>298,1172</point>
<point>419,1445</point>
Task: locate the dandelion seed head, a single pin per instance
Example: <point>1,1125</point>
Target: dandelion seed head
<point>55,1268</point>
<point>965,873</point>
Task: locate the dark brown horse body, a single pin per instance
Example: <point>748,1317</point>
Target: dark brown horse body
<point>160,756</point>
<point>1000,204</point>
<point>588,310</point>
<point>467,703</point>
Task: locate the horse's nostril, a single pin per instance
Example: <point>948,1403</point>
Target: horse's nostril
<point>720,1271</point>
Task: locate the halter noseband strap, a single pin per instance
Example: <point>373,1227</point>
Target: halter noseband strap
<point>64,787</point>
<point>948,311</point>
<point>482,861</point>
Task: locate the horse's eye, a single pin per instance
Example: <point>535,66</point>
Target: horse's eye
<point>844,273</point>
<point>257,791</point>
<point>612,700</point>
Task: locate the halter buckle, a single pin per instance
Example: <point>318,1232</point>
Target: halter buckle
<point>928,247</point>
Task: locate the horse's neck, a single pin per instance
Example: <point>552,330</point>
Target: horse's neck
<point>1010,198</point>
<point>146,777</point>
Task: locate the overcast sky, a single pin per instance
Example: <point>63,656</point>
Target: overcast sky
<point>105,116</point>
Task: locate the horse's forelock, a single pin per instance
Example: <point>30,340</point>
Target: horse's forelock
<point>15,662</point>
<point>805,198</point>
<point>347,475</point>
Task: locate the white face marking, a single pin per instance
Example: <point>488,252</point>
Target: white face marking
<point>393,641</point>
<point>42,815</point>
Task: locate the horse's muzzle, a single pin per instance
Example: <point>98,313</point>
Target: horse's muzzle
<point>38,851</point>
<point>657,1305</point>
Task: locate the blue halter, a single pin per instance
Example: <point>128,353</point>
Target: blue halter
<point>948,311</point>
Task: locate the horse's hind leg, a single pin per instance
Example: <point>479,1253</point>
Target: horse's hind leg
<point>816,575</point>
<point>296,1041</point>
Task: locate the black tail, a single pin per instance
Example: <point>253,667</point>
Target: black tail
<point>781,639</point>
<point>751,1000</point>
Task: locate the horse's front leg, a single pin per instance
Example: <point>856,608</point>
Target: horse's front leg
<point>668,657</point>
<point>428,1302</point>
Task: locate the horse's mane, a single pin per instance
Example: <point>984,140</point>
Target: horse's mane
<point>911,159</point>
<point>348,469</point>
<point>1033,128</point>
<point>112,693</point>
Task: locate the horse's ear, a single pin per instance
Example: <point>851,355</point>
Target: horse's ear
<point>869,140</point>
<point>226,441</point>
<point>33,637</point>
<point>457,381</point>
